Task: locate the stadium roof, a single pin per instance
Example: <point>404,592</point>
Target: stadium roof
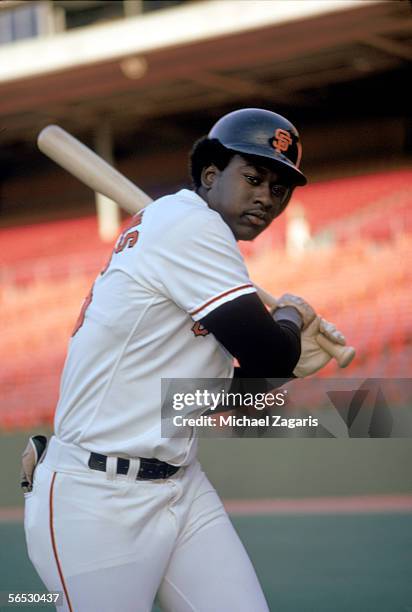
<point>198,56</point>
<point>186,24</point>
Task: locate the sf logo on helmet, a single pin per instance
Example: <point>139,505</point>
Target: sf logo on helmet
<point>282,140</point>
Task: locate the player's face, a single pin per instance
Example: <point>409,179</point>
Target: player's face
<point>247,196</point>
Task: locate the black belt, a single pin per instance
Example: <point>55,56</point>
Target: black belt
<point>150,469</point>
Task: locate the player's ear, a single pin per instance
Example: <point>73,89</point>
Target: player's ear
<point>208,176</point>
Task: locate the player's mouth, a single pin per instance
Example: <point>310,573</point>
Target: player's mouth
<point>256,217</point>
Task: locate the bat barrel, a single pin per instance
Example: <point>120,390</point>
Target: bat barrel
<point>91,169</point>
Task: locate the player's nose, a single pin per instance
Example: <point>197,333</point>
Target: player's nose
<point>263,196</point>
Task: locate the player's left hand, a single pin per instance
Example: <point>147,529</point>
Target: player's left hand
<point>30,458</point>
<point>305,310</point>
<point>313,358</point>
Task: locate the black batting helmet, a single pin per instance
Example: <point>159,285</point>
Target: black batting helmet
<point>256,131</point>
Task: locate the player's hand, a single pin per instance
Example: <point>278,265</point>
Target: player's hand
<point>313,358</point>
<point>305,310</point>
<point>30,458</point>
<point>329,330</point>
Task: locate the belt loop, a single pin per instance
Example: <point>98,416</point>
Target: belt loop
<point>134,466</point>
<point>111,468</point>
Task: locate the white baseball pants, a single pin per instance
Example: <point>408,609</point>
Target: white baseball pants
<point>110,542</point>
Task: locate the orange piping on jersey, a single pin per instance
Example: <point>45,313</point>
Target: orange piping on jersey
<point>59,569</point>
<point>218,297</point>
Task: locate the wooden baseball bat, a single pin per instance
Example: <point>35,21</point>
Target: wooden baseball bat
<point>90,169</point>
<point>96,173</point>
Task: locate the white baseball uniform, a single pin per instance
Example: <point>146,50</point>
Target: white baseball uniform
<point>111,541</point>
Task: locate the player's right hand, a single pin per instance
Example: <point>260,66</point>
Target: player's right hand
<point>305,310</point>
<point>31,456</point>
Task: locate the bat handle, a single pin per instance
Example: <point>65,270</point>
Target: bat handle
<point>266,297</point>
<point>342,354</point>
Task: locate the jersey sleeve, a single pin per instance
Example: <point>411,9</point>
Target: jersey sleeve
<point>200,266</point>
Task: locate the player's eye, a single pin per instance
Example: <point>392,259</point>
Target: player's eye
<point>253,180</point>
<point>280,192</point>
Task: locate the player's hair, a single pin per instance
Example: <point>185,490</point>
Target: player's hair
<point>206,151</point>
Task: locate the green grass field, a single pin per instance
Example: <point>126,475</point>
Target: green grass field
<point>308,563</point>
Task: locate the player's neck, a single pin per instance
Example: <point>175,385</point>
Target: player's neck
<point>202,192</point>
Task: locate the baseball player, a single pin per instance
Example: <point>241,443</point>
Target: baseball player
<point>114,513</point>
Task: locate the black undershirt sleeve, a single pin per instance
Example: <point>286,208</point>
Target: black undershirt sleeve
<point>263,347</point>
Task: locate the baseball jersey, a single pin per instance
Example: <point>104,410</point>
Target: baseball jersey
<point>175,263</point>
